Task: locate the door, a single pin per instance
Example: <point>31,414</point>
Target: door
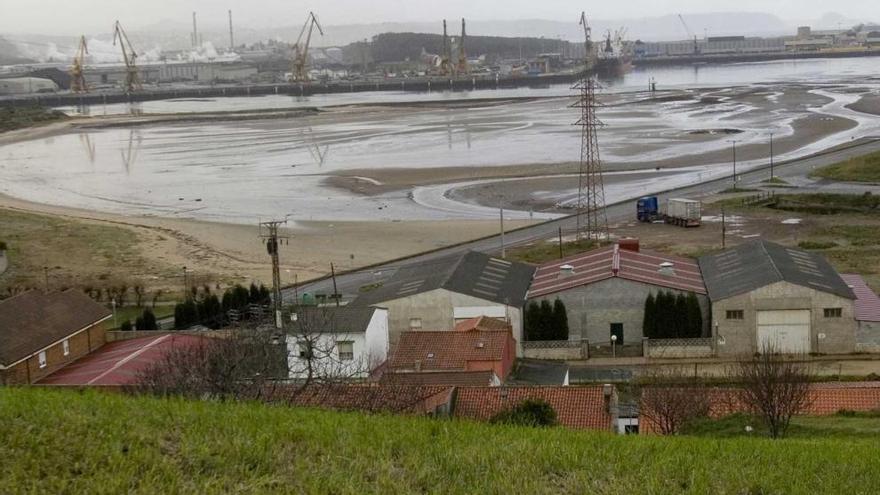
<point>785,331</point>
<point>617,331</point>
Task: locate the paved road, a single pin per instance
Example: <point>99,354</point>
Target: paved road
<point>348,283</point>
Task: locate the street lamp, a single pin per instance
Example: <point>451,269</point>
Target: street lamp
<point>733,142</point>
<point>614,345</point>
<point>771,156</point>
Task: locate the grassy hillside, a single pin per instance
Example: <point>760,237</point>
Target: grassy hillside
<point>19,118</point>
<point>860,169</point>
<point>70,442</point>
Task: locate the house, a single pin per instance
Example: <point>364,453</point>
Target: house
<point>764,294</point>
<point>42,332</point>
<point>604,290</point>
<point>438,294</point>
<point>120,363</point>
<point>413,400</point>
<point>338,342</point>
<point>486,378</point>
<point>867,314</point>
<point>591,407</point>
<point>475,345</point>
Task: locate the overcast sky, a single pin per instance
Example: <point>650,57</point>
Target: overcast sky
<point>94,16</point>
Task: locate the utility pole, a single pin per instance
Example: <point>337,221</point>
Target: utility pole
<point>335,289</point>
<point>273,240</point>
<point>561,251</point>
<point>185,284</point>
<point>723,230</point>
<point>771,156</point>
<point>733,142</point>
<point>501,213</point>
<point>231,37</point>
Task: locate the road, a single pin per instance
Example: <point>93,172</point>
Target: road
<point>349,283</point>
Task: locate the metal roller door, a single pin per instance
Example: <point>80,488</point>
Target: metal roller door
<point>786,331</point>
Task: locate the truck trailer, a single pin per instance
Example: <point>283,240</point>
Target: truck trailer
<point>679,211</point>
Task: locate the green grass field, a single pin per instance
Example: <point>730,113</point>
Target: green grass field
<point>57,441</point>
<point>19,118</point>
<point>861,169</point>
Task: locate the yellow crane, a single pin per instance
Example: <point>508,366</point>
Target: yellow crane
<point>77,75</point>
<point>588,41</point>
<point>462,67</point>
<point>301,49</point>
<point>129,56</point>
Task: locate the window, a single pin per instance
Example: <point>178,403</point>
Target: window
<point>42,358</point>
<point>415,323</point>
<point>66,346</point>
<point>833,312</point>
<point>736,314</point>
<point>305,350</point>
<point>346,351</point>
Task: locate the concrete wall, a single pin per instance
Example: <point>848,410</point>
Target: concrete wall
<point>868,336</point>
<point>593,308</point>
<point>81,344</point>
<point>556,353</point>
<point>436,311</point>
<point>740,336</point>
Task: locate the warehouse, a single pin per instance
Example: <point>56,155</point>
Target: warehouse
<point>604,290</point>
<point>769,296</point>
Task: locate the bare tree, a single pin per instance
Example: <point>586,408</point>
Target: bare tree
<point>669,400</point>
<point>138,295</point>
<point>774,388</point>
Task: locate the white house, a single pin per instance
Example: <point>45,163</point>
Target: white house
<point>337,343</point>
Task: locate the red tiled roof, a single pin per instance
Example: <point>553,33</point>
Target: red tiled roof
<point>369,398</point>
<point>119,363</point>
<point>449,378</point>
<point>447,350</point>
<point>576,407</point>
<point>482,323</point>
<point>35,320</point>
<point>604,263</point>
<point>867,303</point>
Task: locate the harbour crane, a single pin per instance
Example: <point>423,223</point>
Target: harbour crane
<point>301,49</point>
<point>462,67</point>
<point>588,42</point>
<point>446,54</point>
<point>690,34</point>
<point>77,75</point>
<point>129,56</point>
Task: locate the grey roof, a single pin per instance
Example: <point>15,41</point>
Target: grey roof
<point>473,273</point>
<point>344,319</point>
<point>533,372</point>
<point>760,263</point>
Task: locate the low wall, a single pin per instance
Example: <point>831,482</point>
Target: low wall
<point>561,350</point>
<point>117,335</point>
<point>868,337</point>
<point>679,348</point>
<point>4,262</point>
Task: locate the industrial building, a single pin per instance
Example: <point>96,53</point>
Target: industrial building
<point>438,294</point>
<point>604,290</point>
<point>26,85</point>
<point>867,313</point>
<point>767,295</point>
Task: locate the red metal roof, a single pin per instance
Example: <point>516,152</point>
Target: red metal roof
<point>481,323</point>
<point>604,263</point>
<point>118,363</point>
<point>867,303</point>
<point>576,407</point>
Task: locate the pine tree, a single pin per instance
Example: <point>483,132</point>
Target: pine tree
<point>649,322</point>
<point>255,295</point>
<point>560,320</point>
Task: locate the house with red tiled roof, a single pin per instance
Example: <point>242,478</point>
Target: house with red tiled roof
<point>42,332</point>
<point>589,407</point>
<point>604,290</point>
<point>457,351</point>
<point>867,314</point>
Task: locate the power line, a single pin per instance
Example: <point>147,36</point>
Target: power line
<point>273,240</point>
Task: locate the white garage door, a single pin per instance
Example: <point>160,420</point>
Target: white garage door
<point>787,332</point>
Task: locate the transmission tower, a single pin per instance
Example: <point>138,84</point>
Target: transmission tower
<point>273,240</point>
<point>592,219</point>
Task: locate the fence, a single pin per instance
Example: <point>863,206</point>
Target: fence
<point>766,196</point>
<point>679,348</point>
<point>556,350</point>
<point>116,335</point>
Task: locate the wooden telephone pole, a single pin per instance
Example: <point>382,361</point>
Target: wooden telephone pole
<point>273,240</point>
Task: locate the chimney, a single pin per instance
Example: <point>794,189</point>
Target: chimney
<point>629,244</point>
<point>667,268</point>
<point>566,271</point>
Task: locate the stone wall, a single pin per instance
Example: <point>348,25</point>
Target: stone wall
<point>868,336</point>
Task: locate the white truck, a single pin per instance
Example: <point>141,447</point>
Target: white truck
<point>683,212</point>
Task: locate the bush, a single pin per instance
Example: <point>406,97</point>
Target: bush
<point>3,246</point>
<point>126,326</point>
<point>147,321</point>
<point>530,412</point>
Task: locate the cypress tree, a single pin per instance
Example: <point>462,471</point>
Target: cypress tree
<point>254,296</point>
<point>546,322</point>
<point>532,317</point>
<point>560,319</point>
<point>148,321</point>
<point>649,322</point>
<point>665,315</point>
<point>682,325</point>
<point>695,316</point>
<point>179,317</point>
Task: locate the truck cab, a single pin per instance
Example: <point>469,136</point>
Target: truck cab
<point>648,209</point>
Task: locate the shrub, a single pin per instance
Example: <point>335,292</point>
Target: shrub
<point>3,246</point>
<point>530,412</point>
<point>148,321</point>
<point>126,326</point>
